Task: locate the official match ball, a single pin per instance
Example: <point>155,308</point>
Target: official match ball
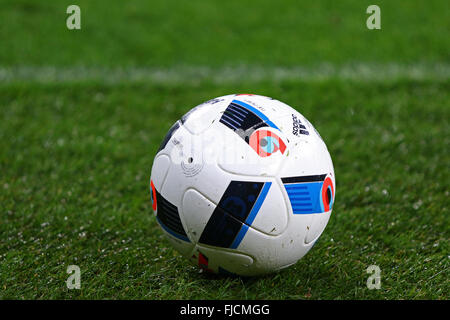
<point>242,184</point>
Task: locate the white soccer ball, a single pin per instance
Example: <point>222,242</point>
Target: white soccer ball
<point>243,184</point>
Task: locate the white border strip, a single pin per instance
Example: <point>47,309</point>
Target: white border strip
<point>194,74</point>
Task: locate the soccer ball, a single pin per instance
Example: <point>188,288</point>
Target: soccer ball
<point>243,184</point>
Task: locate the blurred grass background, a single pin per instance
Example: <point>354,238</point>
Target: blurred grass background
<point>165,33</point>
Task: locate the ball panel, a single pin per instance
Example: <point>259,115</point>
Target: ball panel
<point>273,253</point>
<point>318,224</point>
<point>237,156</point>
<point>210,181</point>
<point>244,204</point>
<point>252,143</point>
<point>196,212</point>
<point>153,196</point>
<point>314,160</point>
<point>168,217</point>
<point>200,118</point>
<point>272,217</point>
<point>160,169</point>
<point>235,212</point>
<point>269,107</point>
<point>169,135</point>
<point>222,261</point>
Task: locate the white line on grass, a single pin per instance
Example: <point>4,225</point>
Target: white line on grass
<point>367,72</point>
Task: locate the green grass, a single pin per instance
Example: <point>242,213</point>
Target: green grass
<point>75,165</point>
<point>76,154</point>
<point>197,32</point>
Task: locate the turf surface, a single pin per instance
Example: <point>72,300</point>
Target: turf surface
<point>75,156</point>
<point>196,32</point>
